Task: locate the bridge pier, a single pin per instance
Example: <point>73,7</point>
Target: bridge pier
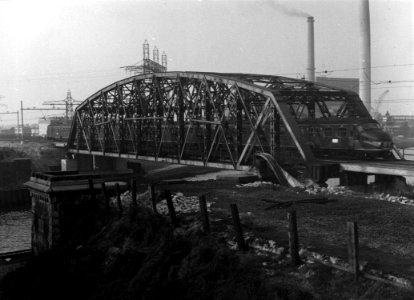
<point>383,183</point>
<point>353,178</point>
<point>390,183</point>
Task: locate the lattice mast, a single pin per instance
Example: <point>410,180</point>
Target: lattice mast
<point>156,55</point>
<point>68,102</point>
<point>164,60</point>
<point>147,65</point>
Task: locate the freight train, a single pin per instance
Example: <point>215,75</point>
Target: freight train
<point>58,129</point>
<point>341,127</point>
<point>359,139</point>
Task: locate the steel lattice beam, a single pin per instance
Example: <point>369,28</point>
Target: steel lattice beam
<point>198,118</point>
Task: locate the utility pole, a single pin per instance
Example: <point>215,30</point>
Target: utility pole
<point>21,114</point>
<point>17,129</point>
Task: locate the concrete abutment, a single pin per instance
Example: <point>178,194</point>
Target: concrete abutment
<point>61,201</point>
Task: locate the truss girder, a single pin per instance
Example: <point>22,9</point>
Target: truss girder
<point>189,117</point>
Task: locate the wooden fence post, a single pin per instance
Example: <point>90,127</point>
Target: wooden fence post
<point>134,192</point>
<point>237,227</point>
<point>151,189</point>
<point>106,197</point>
<point>293,238</point>
<point>204,214</point>
<point>171,209</point>
<point>118,197</point>
<point>353,248</point>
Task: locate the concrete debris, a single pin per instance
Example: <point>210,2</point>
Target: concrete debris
<point>257,184</point>
<point>182,204</point>
<point>344,191</point>
<point>330,190</point>
<point>264,247</point>
<point>125,200</point>
<point>399,280</point>
<point>391,198</point>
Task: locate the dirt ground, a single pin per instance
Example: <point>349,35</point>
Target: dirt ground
<point>385,228</point>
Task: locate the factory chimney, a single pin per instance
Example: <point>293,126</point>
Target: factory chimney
<point>311,50</point>
<point>365,52</point>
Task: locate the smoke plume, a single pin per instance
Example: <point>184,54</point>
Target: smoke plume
<point>279,6</point>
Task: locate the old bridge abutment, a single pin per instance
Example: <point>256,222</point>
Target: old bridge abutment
<point>63,201</point>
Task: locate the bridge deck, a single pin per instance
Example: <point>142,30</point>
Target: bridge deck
<point>395,167</point>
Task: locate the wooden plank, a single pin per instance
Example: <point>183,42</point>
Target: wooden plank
<point>151,190</point>
<point>171,209</point>
<point>204,214</point>
<point>237,227</point>
<point>353,248</point>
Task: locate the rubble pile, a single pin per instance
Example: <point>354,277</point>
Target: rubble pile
<point>182,204</point>
<point>344,191</point>
<point>330,190</point>
<point>256,184</point>
<point>264,247</point>
<point>125,199</point>
<point>391,198</point>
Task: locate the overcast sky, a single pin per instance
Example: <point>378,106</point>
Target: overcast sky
<point>48,47</point>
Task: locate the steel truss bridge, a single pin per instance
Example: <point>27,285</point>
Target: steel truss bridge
<point>210,119</point>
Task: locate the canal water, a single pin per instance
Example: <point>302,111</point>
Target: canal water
<point>15,230</point>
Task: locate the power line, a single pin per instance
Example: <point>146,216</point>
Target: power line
<point>393,87</point>
<point>348,69</point>
<point>374,67</point>
<point>398,100</point>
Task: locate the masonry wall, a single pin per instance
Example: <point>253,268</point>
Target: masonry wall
<point>57,217</point>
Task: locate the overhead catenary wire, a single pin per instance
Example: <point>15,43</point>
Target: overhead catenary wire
<point>57,75</point>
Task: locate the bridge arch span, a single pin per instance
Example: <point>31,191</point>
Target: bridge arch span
<point>209,119</point>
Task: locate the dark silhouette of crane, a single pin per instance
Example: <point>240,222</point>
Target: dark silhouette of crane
<point>68,102</point>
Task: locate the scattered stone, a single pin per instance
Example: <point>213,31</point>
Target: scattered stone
<point>182,204</point>
<point>256,184</point>
<point>391,198</point>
